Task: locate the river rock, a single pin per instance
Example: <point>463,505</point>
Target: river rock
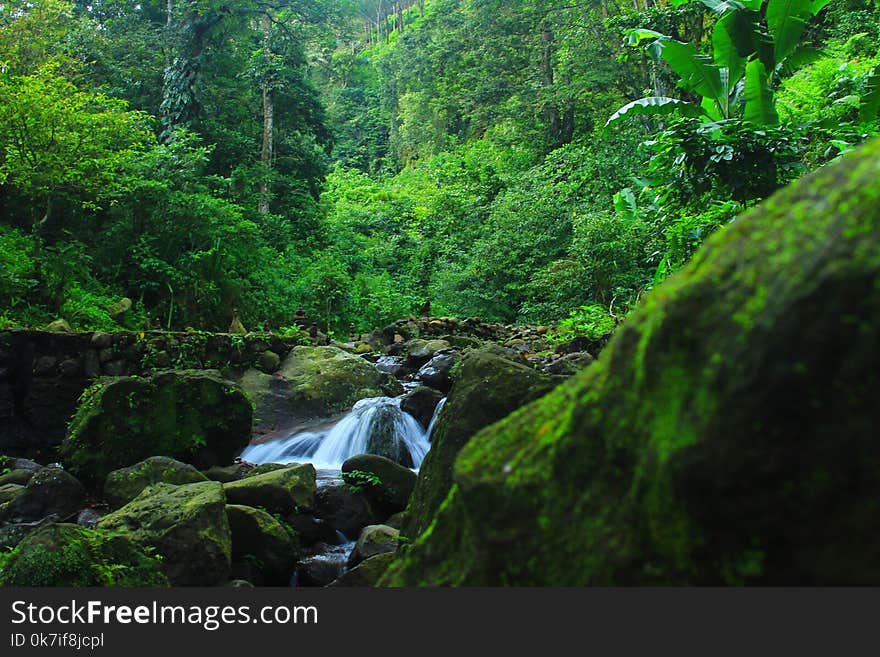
<point>192,416</point>
<point>50,491</point>
<point>487,388</point>
<point>187,525</point>
<point>345,510</point>
<point>125,484</point>
<point>375,539</point>
<point>418,352</point>
<point>395,482</point>
<point>318,570</point>
<point>367,573</point>
<point>727,436</point>
<point>421,404</point>
<point>436,373</point>
<point>257,535</point>
<point>72,556</point>
<point>570,364</point>
<point>285,491</point>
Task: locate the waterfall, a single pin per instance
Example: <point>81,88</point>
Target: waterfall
<point>375,425</point>
<point>434,418</point>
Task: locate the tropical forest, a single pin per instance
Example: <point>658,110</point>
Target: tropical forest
<point>397,293</point>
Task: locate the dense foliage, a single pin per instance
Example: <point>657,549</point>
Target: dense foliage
<point>184,164</point>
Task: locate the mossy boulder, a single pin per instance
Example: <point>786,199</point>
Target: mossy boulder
<point>50,491</point>
<point>486,388</point>
<point>125,484</point>
<point>374,539</point>
<point>259,537</point>
<point>186,525</point>
<point>283,491</point>
<point>386,483</point>
<point>727,435</point>
<point>312,383</point>
<point>72,556</point>
<point>192,416</point>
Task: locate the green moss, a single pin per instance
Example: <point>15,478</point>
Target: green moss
<point>177,414</point>
<point>68,555</point>
<point>718,437</point>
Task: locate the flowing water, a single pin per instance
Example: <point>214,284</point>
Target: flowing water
<point>374,425</point>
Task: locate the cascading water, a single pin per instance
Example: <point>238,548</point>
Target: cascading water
<point>375,425</point>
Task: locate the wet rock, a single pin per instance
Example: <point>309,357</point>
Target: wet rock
<point>367,573</point>
<point>421,404</point>
<point>385,483</point>
<point>436,372</point>
<point>346,511</point>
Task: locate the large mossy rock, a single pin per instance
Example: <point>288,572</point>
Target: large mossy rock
<point>186,525</point>
<point>312,383</point>
<point>192,416</point>
<point>71,556</point>
<point>286,491</point>
<point>727,435</point>
<point>259,537</point>
<point>486,388</point>
<point>125,484</point>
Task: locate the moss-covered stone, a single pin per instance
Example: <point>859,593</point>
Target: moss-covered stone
<point>374,539</point>
<point>727,435</point>
<point>486,388</point>
<point>125,484</point>
<point>312,383</point>
<point>192,416</point>
<point>69,555</point>
<point>394,486</point>
<point>9,492</point>
<point>283,491</point>
<point>260,537</point>
<point>186,525</point>
<point>50,491</point>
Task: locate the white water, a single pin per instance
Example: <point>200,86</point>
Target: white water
<point>327,450</point>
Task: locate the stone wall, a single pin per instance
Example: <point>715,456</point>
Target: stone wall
<point>43,374</point>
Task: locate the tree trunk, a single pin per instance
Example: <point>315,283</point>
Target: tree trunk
<point>267,151</point>
<point>550,112</point>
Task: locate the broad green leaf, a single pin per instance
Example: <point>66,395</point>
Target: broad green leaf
<point>760,108</point>
<point>655,105</point>
<point>721,7</point>
<point>787,20</point>
<point>818,5</point>
<point>635,37</point>
<point>725,53</point>
<point>697,72</point>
